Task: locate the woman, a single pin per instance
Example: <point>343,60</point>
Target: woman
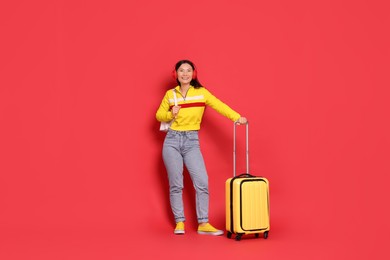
<point>181,144</point>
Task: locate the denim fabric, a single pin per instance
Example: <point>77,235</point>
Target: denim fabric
<point>182,148</point>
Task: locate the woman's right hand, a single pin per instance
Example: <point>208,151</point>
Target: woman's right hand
<point>175,111</point>
<point>242,121</point>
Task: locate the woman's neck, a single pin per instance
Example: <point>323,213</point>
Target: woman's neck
<point>185,87</point>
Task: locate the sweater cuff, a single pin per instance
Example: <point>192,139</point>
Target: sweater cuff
<point>238,116</point>
<point>169,116</point>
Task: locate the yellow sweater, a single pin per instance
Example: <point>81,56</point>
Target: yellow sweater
<point>192,108</point>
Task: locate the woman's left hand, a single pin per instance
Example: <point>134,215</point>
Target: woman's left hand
<point>242,121</point>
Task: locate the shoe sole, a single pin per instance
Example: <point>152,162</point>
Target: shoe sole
<point>179,232</point>
<point>217,233</point>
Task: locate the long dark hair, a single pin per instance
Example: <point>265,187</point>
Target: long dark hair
<point>194,82</point>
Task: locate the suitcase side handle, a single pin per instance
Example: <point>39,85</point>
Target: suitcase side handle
<point>246,147</point>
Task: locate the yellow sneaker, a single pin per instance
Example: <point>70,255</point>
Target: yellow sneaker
<point>209,230</point>
<point>179,230</point>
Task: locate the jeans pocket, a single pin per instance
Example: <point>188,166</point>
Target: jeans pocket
<point>193,136</point>
<point>170,135</point>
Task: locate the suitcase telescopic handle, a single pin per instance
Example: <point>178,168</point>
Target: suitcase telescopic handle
<point>246,147</point>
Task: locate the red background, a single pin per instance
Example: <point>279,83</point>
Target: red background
<point>81,174</point>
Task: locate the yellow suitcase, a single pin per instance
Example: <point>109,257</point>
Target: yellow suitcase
<point>247,201</point>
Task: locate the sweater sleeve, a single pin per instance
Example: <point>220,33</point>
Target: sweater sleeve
<point>220,107</point>
<point>163,113</point>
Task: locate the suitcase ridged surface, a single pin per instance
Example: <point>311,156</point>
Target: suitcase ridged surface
<point>254,205</point>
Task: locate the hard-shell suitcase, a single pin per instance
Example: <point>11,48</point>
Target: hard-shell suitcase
<point>247,200</point>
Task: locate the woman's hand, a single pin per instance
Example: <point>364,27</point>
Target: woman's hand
<point>175,111</point>
<point>242,121</point>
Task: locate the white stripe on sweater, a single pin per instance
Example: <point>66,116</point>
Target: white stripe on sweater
<point>200,97</point>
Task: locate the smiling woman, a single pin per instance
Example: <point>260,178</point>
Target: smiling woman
<point>181,145</point>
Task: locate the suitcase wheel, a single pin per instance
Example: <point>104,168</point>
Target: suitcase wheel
<point>238,237</point>
<point>229,234</point>
<point>265,235</point>
<point>257,235</point>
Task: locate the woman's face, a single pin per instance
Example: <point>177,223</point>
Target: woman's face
<point>184,73</point>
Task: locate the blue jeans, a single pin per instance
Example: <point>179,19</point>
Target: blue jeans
<point>182,147</point>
